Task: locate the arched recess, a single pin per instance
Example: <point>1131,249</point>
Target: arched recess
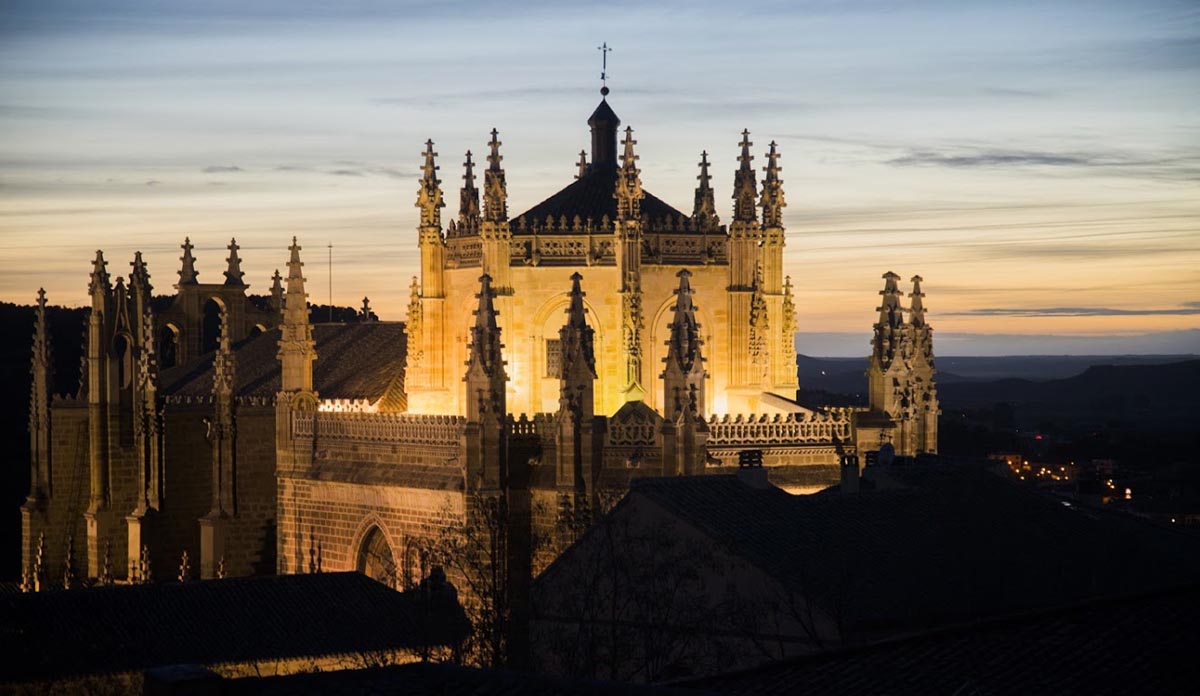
<point>547,321</point>
<point>660,331</point>
<point>210,324</point>
<point>375,558</point>
<point>168,346</point>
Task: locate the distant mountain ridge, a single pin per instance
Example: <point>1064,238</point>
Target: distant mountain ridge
<point>1156,392</point>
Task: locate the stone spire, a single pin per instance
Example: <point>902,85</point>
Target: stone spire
<point>583,165</point>
<point>745,188</point>
<point>276,302</point>
<point>139,277</point>
<point>891,319</point>
<point>485,352</point>
<point>704,210</point>
<point>684,432</point>
<point>683,373</point>
<point>577,460</point>
<point>629,184</point>
<point>917,303</point>
<point>429,195</point>
<point>468,200</point>
<point>577,338</point>
<point>233,274</point>
<point>187,271</point>
<point>772,201</point>
<point>42,369</point>
<point>486,384</point>
<point>99,282</point>
<point>296,347</point>
<point>495,191</point>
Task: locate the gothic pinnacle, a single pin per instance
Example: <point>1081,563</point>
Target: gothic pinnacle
<point>772,201</point>
<point>583,165</point>
<point>99,280</point>
<point>233,274</point>
<point>429,195</point>
<point>468,199</point>
<point>139,277</point>
<point>495,190</point>
<point>704,210</point>
<point>187,271</point>
<point>683,343</point>
<point>917,305</point>
<point>277,295</point>
<point>629,185</point>
<point>485,349</point>
<point>745,187</point>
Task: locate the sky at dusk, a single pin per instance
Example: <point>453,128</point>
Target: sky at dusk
<point>1037,163</point>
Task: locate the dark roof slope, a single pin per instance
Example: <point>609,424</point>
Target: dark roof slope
<point>354,361</point>
<point>1142,644</point>
<point>592,197</point>
<point>434,679</point>
<point>115,629</point>
<point>941,545</point>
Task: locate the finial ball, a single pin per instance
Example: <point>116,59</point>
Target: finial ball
<point>604,91</point>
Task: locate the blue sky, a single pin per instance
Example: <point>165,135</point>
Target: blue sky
<point>1029,160</point>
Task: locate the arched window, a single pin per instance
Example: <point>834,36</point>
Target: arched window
<point>168,346</point>
<point>375,558</point>
<point>210,330</point>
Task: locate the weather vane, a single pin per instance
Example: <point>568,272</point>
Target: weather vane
<point>604,51</point>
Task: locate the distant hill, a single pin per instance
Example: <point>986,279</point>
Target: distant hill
<point>1156,392</point>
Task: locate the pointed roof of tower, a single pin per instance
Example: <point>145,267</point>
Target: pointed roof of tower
<point>468,196</point>
<point>772,201</point>
<point>139,277</point>
<point>917,304</point>
<point>485,348</point>
<point>628,191</point>
<point>295,306</point>
<point>576,336</point>
<point>99,279</point>
<point>704,208</point>
<point>277,294</point>
<point>495,190</point>
<point>591,195</point>
<point>890,313</point>
<point>745,186</point>
<point>233,274</point>
<point>187,269</point>
<point>684,342</point>
<point>429,195</point>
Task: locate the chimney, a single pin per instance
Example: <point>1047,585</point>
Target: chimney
<point>750,469</point>
<point>850,474</point>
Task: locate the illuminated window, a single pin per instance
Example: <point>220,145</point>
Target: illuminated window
<point>554,358</point>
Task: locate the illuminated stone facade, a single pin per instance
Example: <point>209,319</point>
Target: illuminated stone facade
<point>549,358</point>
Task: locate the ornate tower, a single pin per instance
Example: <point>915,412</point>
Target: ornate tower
<point>628,245</point>
<point>684,429</point>
<point>486,384</point>
<point>427,367</point>
<point>886,372</point>
<point>495,234</point>
<point>578,452</point>
<point>925,407</point>
<point>100,520</point>
<point>745,375</point>
<point>222,438</point>
<point>780,306</point>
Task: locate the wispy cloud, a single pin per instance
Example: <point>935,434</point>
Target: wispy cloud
<point>222,169</point>
<point>346,172</point>
<point>994,158</point>
<point>1187,309</point>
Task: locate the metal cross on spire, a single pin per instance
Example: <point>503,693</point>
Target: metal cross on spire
<point>604,51</point>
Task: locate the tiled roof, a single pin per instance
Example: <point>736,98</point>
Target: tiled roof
<point>592,197</point>
<point>1143,644</point>
<point>430,679</point>
<point>939,545</point>
<point>354,361</point>
<point>115,629</point>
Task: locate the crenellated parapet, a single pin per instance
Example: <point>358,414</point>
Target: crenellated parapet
<point>815,428</point>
